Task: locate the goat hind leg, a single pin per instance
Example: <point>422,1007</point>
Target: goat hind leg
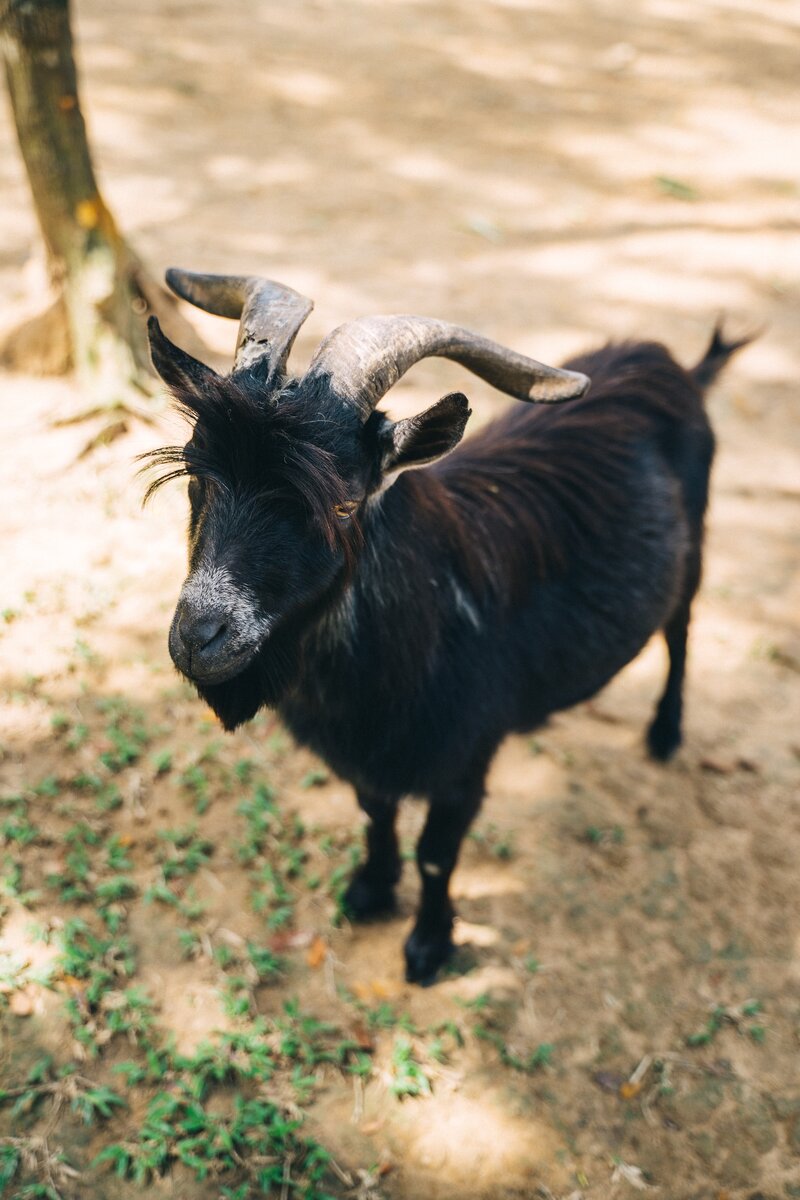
<point>371,890</point>
<point>664,735</point>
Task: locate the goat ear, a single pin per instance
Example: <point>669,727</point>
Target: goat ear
<point>177,368</point>
<point>426,437</point>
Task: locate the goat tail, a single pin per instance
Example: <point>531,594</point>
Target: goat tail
<point>716,356</point>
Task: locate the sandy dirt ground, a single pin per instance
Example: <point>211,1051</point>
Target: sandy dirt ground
<point>623,1013</point>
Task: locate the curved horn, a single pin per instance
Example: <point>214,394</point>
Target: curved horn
<point>270,315</point>
<point>363,359</point>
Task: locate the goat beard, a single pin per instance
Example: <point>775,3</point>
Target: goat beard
<point>262,683</point>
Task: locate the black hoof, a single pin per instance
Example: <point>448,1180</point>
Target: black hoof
<point>426,952</point>
<point>367,897</point>
<point>663,739</point>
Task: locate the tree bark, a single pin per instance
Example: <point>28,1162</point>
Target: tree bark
<point>103,292</point>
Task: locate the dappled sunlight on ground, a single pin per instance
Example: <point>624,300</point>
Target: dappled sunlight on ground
<point>624,989</point>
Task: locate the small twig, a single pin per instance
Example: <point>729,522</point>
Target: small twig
<point>358,1099</point>
<point>642,1069</point>
<point>287,1176</point>
<point>36,1155</point>
<point>345,1177</point>
<point>646,1102</point>
<point>329,967</point>
<point>103,410</point>
<point>56,1087</point>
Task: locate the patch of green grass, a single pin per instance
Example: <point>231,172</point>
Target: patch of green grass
<point>447,1037</point>
<point>107,794</point>
<point>18,829</point>
<point>91,1101</point>
<point>85,654</point>
<point>237,998</point>
<point>533,1061</point>
<point>315,778</point>
<point>302,1037</point>
<point>162,762</point>
<point>184,852</point>
<point>479,1003</point>
<point>178,1128</point>
<point>11,883</point>
<point>408,1075</point>
<point>195,780</point>
<point>265,964</point>
<point>187,904</point>
<point>182,1124</point>
<point>339,879</point>
<point>79,734</point>
<point>261,819</point>
<point>126,731</point>
<point>74,881</point>
<point>676,188</point>
<point>490,839</point>
<point>731,1015</point>
<point>78,730</point>
<point>270,895</point>
<point>489,1029</point>
<point>49,786</point>
<point>34,1158</point>
<point>595,836</point>
<point>94,968</point>
<point>189,943</point>
<point>16,973</point>
<point>383,1016</point>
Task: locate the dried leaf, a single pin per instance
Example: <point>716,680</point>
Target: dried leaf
<point>294,939</point>
<point>376,989</point>
<point>362,1037</point>
<point>317,953</point>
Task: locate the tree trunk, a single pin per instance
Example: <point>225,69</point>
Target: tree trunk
<point>103,292</point>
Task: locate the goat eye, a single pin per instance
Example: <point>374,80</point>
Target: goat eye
<point>345,511</point>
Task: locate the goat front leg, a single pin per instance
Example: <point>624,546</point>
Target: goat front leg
<point>430,943</point>
<point>371,889</point>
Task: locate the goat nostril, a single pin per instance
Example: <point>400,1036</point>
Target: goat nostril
<point>207,632</point>
<point>198,635</point>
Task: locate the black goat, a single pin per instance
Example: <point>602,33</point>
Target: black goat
<point>402,623</point>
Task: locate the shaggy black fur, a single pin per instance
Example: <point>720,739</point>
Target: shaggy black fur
<point>414,630</point>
